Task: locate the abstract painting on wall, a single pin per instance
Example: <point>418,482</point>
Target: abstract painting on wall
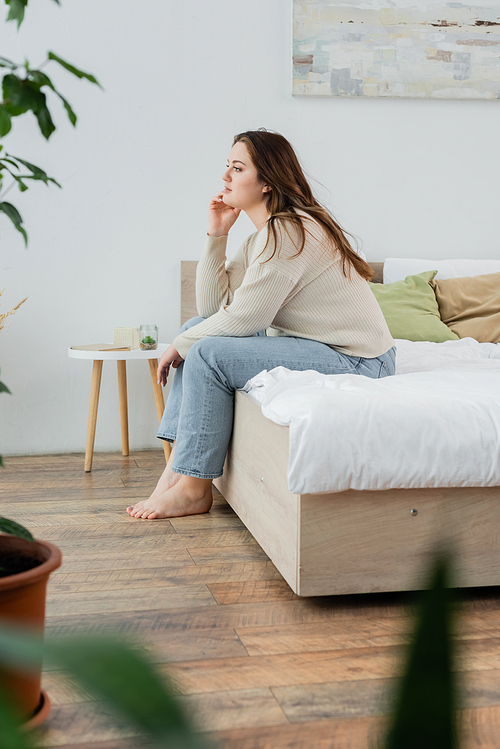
<point>399,48</point>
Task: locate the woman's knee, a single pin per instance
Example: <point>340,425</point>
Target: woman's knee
<point>201,347</point>
<point>204,352</point>
<point>189,323</point>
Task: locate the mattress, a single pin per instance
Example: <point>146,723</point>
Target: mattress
<point>436,423</point>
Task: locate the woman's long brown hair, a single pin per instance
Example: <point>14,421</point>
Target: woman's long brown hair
<point>278,166</point>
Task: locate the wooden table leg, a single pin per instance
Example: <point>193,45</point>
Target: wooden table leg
<point>160,404</point>
<point>122,390</point>
<point>94,402</point>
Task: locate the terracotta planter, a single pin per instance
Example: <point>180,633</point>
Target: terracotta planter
<point>22,601</point>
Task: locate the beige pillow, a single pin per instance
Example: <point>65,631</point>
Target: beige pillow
<point>470,306</point>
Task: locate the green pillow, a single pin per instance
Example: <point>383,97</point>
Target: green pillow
<point>411,309</point>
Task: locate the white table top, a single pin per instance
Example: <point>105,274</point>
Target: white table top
<point>118,355</point>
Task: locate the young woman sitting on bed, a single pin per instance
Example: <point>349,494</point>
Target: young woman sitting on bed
<point>295,295</point>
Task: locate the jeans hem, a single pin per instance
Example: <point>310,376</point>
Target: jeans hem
<point>166,437</point>
<point>197,474</point>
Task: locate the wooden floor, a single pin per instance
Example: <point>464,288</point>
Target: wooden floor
<point>258,667</point>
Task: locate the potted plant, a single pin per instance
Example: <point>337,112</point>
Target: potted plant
<point>25,566</point>
<point>115,671</point>
<point>26,563</point>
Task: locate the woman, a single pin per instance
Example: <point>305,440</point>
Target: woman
<point>297,278</point>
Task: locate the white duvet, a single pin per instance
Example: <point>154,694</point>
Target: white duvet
<point>436,423</point>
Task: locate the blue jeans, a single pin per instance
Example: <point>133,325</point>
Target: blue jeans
<point>199,410</point>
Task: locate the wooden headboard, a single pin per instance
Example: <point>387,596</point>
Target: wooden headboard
<point>188,281</point>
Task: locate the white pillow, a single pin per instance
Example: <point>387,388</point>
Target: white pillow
<point>397,268</point>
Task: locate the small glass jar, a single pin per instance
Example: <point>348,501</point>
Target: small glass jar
<point>148,337</point>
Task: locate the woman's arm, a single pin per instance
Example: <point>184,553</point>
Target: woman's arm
<point>255,304</point>
<point>216,284</point>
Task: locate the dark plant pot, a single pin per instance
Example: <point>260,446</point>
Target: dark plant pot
<point>22,602</point>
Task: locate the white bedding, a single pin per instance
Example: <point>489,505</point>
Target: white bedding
<point>435,424</point>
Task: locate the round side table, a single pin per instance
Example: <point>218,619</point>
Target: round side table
<point>121,358</point>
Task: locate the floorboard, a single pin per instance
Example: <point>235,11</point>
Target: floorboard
<point>256,666</point>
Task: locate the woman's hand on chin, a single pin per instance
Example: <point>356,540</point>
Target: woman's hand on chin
<point>170,357</point>
<point>221,216</point>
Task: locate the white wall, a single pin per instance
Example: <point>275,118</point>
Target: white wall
<point>409,177</point>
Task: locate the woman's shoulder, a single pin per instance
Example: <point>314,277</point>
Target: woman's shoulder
<point>288,238</point>
<point>301,230</point>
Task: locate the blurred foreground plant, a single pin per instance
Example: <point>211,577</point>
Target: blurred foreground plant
<point>113,670</point>
<point>426,702</point>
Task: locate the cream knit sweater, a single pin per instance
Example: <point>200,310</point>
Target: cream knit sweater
<point>306,296</point>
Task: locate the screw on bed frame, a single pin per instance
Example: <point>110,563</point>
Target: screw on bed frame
<point>413,512</point>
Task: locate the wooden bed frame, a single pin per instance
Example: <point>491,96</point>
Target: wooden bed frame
<point>354,541</point>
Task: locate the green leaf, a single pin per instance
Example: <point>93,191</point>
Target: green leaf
<point>17,9</point>
<point>14,215</point>
<point>20,647</point>
<point>119,674</point>
<point>13,93</point>
<point>67,106</point>
<point>128,683</point>
<point>44,80</point>
<point>9,161</point>
<point>16,12</point>
<point>71,68</point>
<point>4,388</point>
<point>14,529</point>
<point>5,121</point>
<point>37,172</point>
<point>425,709</point>
<point>21,95</point>
<point>12,736</point>
<point>40,78</point>
<point>45,122</point>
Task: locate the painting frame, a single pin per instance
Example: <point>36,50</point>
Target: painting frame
<point>410,49</point>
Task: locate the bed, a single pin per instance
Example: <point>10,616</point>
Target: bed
<point>362,540</point>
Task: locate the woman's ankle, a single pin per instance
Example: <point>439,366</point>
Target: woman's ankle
<point>196,486</point>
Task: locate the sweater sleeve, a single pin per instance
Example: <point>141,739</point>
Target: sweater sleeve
<point>216,283</point>
<point>254,306</point>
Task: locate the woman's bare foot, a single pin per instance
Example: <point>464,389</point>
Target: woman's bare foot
<point>188,496</point>
<point>167,479</point>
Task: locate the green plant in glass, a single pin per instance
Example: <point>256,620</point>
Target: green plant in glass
<point>24,90</point>
<point>148,340</point>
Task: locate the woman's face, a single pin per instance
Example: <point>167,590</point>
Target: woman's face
<point>242,188</point>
